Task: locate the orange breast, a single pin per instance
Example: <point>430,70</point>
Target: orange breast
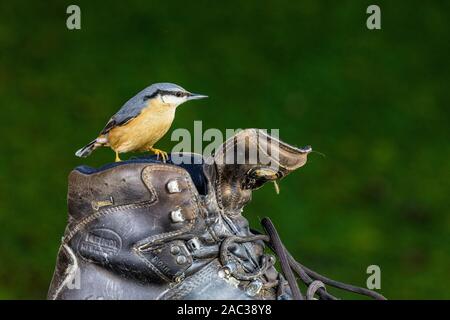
<point>143,131</point>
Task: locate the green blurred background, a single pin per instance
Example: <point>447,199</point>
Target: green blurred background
<point>376,103</point>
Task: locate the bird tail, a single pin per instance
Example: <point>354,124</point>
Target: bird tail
<point>87,149</point>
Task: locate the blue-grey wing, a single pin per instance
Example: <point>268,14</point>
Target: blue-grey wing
<point>130,110</point>
<point>133,107</point>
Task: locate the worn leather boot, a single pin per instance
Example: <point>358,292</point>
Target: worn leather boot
<point>142,229</point>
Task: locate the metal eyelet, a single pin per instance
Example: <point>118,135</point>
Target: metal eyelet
<point>173,186</point>
<point>176,216</point>
<point>194,244</point>
<point>254,288</point>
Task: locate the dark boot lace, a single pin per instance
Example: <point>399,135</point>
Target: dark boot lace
<point>314,281</point>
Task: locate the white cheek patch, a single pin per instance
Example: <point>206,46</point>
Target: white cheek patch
<point>170,99</point>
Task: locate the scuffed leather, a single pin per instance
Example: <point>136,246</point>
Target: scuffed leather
<point>257,152</point>
<point>122,241</point>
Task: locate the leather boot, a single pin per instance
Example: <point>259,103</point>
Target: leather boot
<point>142,229</point>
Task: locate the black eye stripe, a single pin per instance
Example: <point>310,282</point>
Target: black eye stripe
<point>163,92</point>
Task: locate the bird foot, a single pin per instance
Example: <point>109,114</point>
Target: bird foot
<point>117,157</point>
<point>161,153</point>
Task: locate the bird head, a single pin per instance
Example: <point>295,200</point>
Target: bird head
<point>171,94</point>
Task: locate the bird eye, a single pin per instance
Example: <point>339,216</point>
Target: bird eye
<point>179,94</point>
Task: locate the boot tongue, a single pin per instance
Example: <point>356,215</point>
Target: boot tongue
<point>248,160</point>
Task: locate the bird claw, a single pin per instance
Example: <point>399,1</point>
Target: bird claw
<point>161,153</point>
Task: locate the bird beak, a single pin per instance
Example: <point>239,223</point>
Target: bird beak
<point>195,96</point>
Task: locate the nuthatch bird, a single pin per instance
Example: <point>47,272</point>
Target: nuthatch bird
<point>142,121</point>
